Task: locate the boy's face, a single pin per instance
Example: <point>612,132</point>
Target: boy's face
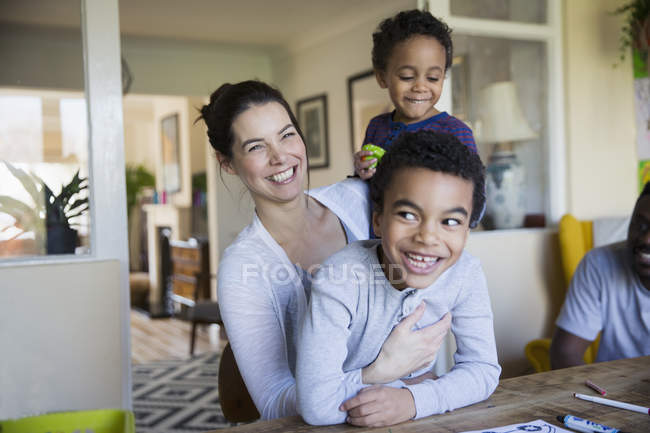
<point>423,225</point>
<point>414,76</point>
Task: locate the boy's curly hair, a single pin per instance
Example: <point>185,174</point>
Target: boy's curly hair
<point>403,26</point>
<point>436,151</point>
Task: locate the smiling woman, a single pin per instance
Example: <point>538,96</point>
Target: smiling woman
<point>268,153</point>
<point>265,273</point>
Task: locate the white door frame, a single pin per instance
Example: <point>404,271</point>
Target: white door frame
<point>109,239</point>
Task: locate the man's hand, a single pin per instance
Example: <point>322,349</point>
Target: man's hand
<point>378,406</point>
<point>405,350</point>
<point>361,167</point>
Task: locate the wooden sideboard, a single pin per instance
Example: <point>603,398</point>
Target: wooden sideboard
<point>190,271</point>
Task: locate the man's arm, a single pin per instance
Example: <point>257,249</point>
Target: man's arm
<point>580,318</point>
<point>567,349</point>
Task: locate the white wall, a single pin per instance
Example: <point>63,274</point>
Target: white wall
<point>526,286</point>
<point>51,58</point>
<point>162,66</point>
<point>139,132</point>
<point>602,161</point>
<point>60,338</point>
<point>324,67</point>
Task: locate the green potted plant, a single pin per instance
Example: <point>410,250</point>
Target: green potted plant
<point>137,178</point>
<point>635,33</point>
<point>50,216</point>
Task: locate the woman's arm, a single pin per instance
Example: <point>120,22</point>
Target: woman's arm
<point>257,340</point>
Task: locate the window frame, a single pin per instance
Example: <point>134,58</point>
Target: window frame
<point>550,33</point>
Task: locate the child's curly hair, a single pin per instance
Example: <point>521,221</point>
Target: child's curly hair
<point>403,26</point>
<point>436,151</point>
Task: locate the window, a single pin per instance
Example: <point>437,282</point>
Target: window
<point>519,42</point>
<point>44,198</point>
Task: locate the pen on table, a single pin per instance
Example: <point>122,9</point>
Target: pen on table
<point>595,387</point>
<point>613,403</point>
<point>585,426</point>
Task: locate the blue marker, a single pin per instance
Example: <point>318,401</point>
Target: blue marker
<point>585,426</point>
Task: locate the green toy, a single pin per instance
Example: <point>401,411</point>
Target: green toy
<point>377,153</point>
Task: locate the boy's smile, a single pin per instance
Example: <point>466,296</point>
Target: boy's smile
<point>414,75</point>
<point>423,225</point>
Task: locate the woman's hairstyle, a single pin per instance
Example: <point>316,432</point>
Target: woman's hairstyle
<point>228,102</point>
<point>436,151</point>
<point>403,26</point>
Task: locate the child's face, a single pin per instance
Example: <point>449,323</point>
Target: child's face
<point>423,225</point>
<point>414,76</point>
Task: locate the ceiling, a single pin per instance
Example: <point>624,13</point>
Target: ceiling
<point>257,22</point>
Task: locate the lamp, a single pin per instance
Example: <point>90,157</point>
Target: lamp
<point>503,123</point>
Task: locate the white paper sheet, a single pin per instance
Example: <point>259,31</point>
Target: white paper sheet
<point>537,426</point>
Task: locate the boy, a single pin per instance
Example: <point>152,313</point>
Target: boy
<point>411,54</point>
<point>426,193</point>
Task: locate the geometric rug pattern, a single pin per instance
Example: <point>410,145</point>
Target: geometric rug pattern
<point>178,396</point>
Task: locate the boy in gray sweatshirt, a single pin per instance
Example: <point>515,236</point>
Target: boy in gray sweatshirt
<point>427,193</point>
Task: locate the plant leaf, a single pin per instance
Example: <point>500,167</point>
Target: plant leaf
<point>26,180</point>
<point>80,212</point>
<point>26,216</point>
<point>76,204</point>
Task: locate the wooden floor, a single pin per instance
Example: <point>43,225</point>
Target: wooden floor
<point>157,339</point>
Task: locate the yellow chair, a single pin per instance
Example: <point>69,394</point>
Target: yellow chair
<point>576,238</point>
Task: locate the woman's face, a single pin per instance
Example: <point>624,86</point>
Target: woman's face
<point>268,154</point>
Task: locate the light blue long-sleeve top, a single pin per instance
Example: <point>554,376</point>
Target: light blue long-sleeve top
<point>262,296</point>
<point>352,310</point>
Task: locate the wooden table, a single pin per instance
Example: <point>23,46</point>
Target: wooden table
<point>522,399</point>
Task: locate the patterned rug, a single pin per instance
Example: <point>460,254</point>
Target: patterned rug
<point>177,396</point>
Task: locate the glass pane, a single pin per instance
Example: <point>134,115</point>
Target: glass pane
<point>43,135</point>
<point>479,64</point>
<point>527,11</point>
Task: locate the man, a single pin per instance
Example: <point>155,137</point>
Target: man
<point>609,293</point>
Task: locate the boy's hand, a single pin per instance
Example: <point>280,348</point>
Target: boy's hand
<point>405,350</point>
<point>362,167</point>
<point>378,406</point>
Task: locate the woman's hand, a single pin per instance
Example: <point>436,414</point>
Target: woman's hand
<point>361,167</point>
<point>378,406</point>
<point>405,350</point>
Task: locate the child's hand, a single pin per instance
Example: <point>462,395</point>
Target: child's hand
<point>361,167</point>
<point>405,350</point>
<point>378,406</point>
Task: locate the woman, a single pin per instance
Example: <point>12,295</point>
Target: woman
<point>264,275</point>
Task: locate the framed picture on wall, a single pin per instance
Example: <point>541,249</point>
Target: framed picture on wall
<point>312,118</point>
<point>170,153</point>
<point>365,101</point>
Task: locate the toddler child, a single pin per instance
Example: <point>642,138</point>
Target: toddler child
<point>427,190</point>
<point>411,54</point>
